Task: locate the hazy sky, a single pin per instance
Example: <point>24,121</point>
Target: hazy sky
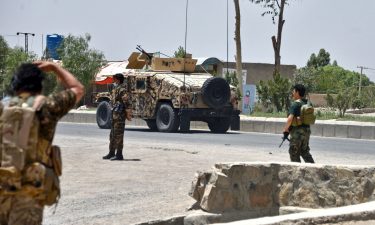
<point>343,27</point>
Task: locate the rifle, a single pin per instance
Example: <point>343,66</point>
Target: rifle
<point>139,48</point>
<point>285,137</point>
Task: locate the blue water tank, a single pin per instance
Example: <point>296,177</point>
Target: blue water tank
<point>53,42</point>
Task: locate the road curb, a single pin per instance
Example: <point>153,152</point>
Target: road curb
<point>322,128</point>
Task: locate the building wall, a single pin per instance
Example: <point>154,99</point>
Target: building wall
<point>260,71</point>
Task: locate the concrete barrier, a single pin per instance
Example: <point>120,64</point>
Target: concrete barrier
<point>322,128</point>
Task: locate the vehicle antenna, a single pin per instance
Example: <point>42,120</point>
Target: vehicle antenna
<point>186,22</point>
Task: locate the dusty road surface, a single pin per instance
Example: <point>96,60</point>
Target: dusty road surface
<point>154,180</point>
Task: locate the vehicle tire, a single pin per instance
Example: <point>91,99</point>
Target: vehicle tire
<point>104,115</point>
<point>151,124</point>
<point>219,125</point>
<point>216,92</point>
<point>167,118</point>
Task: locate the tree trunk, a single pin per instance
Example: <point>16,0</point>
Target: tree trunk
<point>237,38</point>
<point>276,42</point>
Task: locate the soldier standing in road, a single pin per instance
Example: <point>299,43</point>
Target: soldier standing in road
<point>299,133</point>
<point>121,110</point>
<point>30,165</point>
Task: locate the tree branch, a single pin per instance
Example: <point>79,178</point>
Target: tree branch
<point>278,4</point>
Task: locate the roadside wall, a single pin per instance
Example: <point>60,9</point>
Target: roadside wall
<point>322,128</point>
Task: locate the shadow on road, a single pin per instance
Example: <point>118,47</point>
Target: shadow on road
<point>190,132</point>
<point>132,160</point>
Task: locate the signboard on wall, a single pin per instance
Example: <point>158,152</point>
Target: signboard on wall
<point>249,98</point>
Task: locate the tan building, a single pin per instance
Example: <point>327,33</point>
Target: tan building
<point>255,72</point>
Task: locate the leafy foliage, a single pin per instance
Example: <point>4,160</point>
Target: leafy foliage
<point>15,57</point>
<point>323,59</point>
<point>4,49</point>
<point>341,101</point>
<point>272,7</point>
<point>79,59</point>
<point>321,77</point>
<point>232,79</point>
<point>275,92</point>
<point>180,53</point>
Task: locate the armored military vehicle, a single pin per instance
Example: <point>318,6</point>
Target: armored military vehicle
<point>169,95</point>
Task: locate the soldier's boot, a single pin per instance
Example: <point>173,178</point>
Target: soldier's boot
<point>308,158</point>
<point>118,156</point>
<point>109,155</point>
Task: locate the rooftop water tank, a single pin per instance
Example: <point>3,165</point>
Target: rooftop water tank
<point>53,42</point>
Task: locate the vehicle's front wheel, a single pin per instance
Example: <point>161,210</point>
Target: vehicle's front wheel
<point>219,125</point>
<point>104,115</point>
<point>167,118</point>
<point>151,124</point>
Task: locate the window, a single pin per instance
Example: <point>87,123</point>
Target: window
<point>141,84</point>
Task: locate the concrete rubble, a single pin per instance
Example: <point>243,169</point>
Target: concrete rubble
<point>281,193</point>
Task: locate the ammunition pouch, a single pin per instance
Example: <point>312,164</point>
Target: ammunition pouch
<point>297,121</point>
<point>56,160</point>
<point>10,180</point>
<point>51,188</point>
<point>36,180</point>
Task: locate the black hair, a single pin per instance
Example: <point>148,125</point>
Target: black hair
<point>300,89</point>
<point>119,77</point>
<point>28,77</point>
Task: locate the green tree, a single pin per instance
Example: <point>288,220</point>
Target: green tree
<point>180,53</point>
<point>334,63</point>
<point>4,49</point>
<point>323,59</point>
<point>275,8</point>
<point>340,101</point>
<point>79,59</point>
<point>232,79</point>
<point>306,76</point>
<point>15,57</point>
<point>275,92</point>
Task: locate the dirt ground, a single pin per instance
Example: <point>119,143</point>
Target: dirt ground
<point>152,183</point>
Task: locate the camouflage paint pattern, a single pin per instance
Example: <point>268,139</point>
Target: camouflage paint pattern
<point>19,208</point>
<point>299,144</point>
<point>102,95</point>
<point>164,86</point>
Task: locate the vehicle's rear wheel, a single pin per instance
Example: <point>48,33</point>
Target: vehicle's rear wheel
<point>216,92</point>
<point>219,125</point>
<point>104,115</point>
<point>167,118</point>
<point>151,124</point>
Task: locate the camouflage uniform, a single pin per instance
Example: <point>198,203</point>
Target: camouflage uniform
<point>120,102</point>
<point>299,137</point>
<point>21,210</point>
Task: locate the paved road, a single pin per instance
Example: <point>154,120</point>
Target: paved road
<point>154,180</point>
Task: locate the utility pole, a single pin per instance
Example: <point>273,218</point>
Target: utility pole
<point>26,40</point>
<point>360,78</point>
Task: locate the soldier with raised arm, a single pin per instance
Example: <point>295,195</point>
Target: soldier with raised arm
<point>30,165</point>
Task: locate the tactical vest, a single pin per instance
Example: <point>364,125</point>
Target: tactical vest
<point>29,165</point>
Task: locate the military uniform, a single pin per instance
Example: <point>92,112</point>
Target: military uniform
<point>22,209</point>
<point>299,136</point>
<point>120,103</point>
